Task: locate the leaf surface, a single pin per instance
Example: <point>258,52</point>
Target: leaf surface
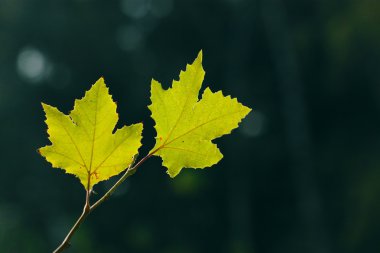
<point>186,125</point>
<point>83,142</point>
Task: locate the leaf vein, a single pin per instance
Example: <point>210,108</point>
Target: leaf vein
<point>196,127</point>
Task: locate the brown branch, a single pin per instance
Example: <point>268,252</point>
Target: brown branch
<point>130,171</point>
<point>66,242</point>
<point>87,209</point>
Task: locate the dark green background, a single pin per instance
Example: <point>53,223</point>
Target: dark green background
<point>301,174</point>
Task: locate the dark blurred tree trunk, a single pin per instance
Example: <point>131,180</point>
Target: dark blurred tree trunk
<point>311,236</point>
<point>241,238</point>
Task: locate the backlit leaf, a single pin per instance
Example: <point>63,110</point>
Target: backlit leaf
<point>83,142</point>
<point>186,125</point>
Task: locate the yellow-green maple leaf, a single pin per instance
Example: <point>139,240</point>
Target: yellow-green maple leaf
<point>186,126</point>
<point>83,143</point>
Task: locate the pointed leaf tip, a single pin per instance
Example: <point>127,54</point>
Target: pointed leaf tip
<point>84,142</point>
<point>186,126</point>
<point>200,54</point>
<point>199,58</point>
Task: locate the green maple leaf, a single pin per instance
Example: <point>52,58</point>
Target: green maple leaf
<point>83,143</point>
<point>186,125</point>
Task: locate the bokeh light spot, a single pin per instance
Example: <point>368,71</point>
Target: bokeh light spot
<point>32,65</point>
<point>253,125</point>
<point>161,8</point>
<point>60,77</point>
<point>187,183</point>
<point>135,8</point>
<point>138,9</point>
<point>129,37</point>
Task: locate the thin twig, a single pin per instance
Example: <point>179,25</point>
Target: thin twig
<point>66,242</point>
<point>129,172</point>
<point>87,209</point>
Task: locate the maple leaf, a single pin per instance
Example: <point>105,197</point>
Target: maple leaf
<point>186,126</point>
<point>83,143</point>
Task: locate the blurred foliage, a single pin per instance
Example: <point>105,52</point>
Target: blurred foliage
<point>301,175</point>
